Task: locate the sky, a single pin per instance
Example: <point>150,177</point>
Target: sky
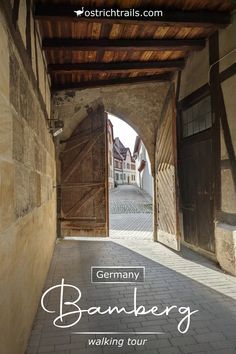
<point>124,131</point>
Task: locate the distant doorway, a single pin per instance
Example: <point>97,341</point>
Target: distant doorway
<point>131,188</point>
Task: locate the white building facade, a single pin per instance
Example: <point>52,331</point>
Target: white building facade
<point>124,164</point>
<point>144,177</point>
<point>129,169</point>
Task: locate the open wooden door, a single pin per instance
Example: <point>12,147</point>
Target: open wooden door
<point>166,176</point>
<point>84,188</point>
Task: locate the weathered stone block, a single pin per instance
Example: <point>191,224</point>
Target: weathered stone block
<point>33,189</point>
<point>21,20</point>
<point>225,237</point>
<point>18,139</point>
<point>41,128</point>
<point>31,111</point>
<point>36,118</point>
<point>228,192</point>
<point>44,160</point>
<point>23,96</point>
<point>49,187</point>
<point>37,156</point>
<point>44,189</point>
<point>14,81</point>
<point>4,63</point>
<point>22,191</point>
<point>50,165</point>
<point>26,145</point>
<point>7,215</point>
<point>38,189</point>
<point>31,153</point>
<point>5,129</point>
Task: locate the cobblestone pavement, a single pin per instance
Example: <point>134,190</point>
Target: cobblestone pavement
<point>130,213</point>
<point>184,279</point>
<point>129,199</point>
<point>123,207</point>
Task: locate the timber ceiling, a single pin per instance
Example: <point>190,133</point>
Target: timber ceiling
<point>88,52</point>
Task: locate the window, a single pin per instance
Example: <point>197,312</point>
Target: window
<point>197,118</point>
<point>124,164</point>
<point>132,166</point>
<point>121,177</point>
<point>124,176</point>
<point>128,165</point>
<point>117,176</point>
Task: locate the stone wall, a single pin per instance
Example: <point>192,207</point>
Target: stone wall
<point>195,75</point>
<point>27,197</point>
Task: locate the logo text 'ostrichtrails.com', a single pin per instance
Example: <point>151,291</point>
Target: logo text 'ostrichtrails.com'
<point>118,13</point>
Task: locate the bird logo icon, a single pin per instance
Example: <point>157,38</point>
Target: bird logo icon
<point>79,12</point>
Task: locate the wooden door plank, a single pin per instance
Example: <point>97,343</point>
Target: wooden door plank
<point>84,190</point>
<point>81,203</point>
<point>80,157</point>
<point>167,220</point>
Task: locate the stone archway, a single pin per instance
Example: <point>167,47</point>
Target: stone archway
<point>149,109</point>
<point>138,105</point>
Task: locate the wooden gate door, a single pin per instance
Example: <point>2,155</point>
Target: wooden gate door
<point>84,187</point>
<point>197,191</point>
<point>166,176</point>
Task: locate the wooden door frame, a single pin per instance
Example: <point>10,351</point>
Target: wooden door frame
<point>212,132</point>
<point>160,235</point>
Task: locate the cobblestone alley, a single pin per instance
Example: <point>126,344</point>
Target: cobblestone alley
<point>130,213</point>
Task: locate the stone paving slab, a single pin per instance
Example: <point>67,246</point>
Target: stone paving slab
<point>212,329</point>
<point>187,263</point>
<point>131,226</point>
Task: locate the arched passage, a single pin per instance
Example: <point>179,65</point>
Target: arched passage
<point>139,105</point>
<point>149,109</point>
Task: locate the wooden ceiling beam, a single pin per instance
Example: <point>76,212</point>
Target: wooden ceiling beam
<point>122,44</point>
<point>177,18</point>
<point>110,82</point>
<point>117,67</point>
